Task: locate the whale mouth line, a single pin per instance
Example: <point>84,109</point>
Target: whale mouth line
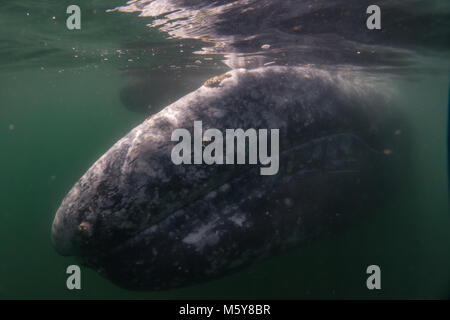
<point>296,149</point>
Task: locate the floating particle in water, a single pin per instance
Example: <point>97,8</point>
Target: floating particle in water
<point>358,52</point>
<point>387,152</point>
<point>53,18</point>
<point>288,202</point>
<point>398,132</point>
<point>12,127</point>
<point>28,14</point>
<point>53,177</point>
<point>265,47</point>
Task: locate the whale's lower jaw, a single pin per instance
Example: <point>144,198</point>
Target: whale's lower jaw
<point>147,224</point>
<point>248,218</point>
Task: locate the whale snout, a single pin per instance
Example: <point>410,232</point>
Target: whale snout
<point>74,233</point>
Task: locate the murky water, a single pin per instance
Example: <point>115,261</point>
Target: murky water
<point>62,105</point>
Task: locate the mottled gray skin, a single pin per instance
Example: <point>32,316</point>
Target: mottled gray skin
<point>146,223</point>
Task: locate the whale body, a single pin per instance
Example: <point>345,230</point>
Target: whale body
<point>146,223</point>
<point>309,68</point>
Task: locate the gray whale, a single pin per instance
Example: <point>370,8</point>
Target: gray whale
<point>312,70</point>
<point>145,223</point>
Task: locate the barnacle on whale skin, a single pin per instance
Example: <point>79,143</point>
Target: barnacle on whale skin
<point>215,82</point>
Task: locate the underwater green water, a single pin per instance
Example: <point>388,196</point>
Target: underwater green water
<point>58,114</point>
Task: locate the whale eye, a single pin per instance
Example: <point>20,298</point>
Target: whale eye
<point>85,228</point>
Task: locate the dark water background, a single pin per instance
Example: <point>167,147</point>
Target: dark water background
<point>60,109</point>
